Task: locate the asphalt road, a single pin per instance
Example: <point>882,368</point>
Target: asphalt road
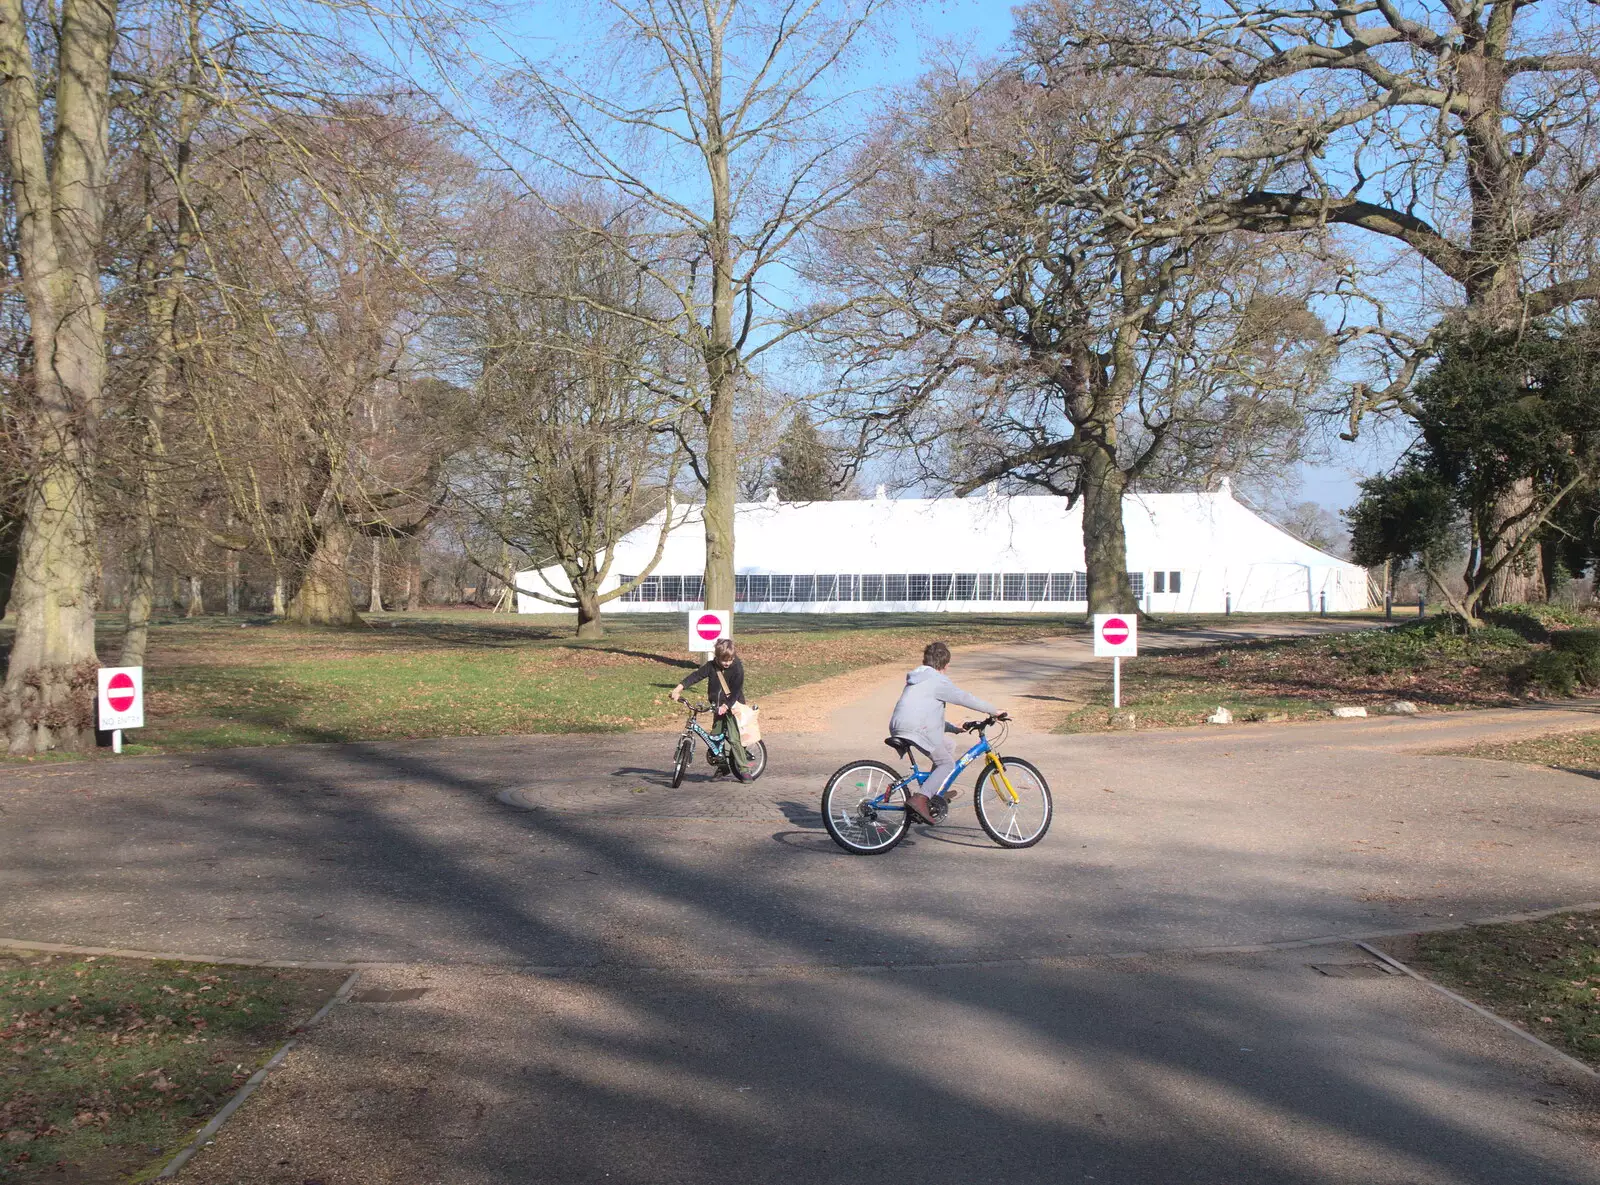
<point>630,983</point>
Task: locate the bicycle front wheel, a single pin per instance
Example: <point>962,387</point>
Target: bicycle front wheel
<point>1018,822</point>
<point>864,808</point>
<point>681,759</point>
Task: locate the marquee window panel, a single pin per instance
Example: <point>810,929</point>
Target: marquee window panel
<point>894,587</point>
<point>1069,586</point>
<point>805,588</point>
<point>965,587</point>
<point>650,589</point>
<point>986,587</point>
<point>919,587</point>
<point>1160,579</point>
<point>1174,581</point>
<point>847,588</point>
<point>760,588</point>
<point>1015,586</point>
<point>672,588</point>
<point>631,595</point>
<point>942,584</point>
<point>1137,580</point>
<point>872,588</point>
<point>782,588</point>
<point>1038,582</point>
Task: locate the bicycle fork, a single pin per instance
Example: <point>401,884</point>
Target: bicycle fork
<point>1005,782</point>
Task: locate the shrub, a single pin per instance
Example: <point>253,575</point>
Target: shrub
<point>1584,647</point>
<point>1554,672</point>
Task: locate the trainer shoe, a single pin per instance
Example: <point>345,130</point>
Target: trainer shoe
<point>921,808</point>
<point>951,794</point>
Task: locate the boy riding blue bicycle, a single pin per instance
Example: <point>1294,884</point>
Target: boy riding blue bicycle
<point>918,717</point>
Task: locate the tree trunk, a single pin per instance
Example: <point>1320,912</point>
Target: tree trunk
<point>141,590</point>
<point>589,624</point>
<point>230,567</point>
<point>324,594</point>
<point>412,552</point>
<point>375,599</point>
<point>1105,551</point>
<point>1521,581</point>
<point>58,213</point>
<point>197,604</point>
<point>278,609</point>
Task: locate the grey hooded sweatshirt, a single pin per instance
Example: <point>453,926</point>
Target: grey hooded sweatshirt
<point>919,713</point>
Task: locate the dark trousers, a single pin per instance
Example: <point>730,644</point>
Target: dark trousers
<point>726,726</point>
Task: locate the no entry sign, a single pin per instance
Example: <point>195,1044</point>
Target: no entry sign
<point>121,700</point>
<point>1116,635</point>
<point>707,625</point>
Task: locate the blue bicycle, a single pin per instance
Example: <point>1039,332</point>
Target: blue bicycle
<point>717,750</point>
<point>864,803</point>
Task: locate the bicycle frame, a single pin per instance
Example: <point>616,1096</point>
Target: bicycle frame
<point>714,743</point>
<point>920,776</point>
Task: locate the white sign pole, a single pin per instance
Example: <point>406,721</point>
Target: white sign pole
<point>1116,681</point>
<point>116,740</point>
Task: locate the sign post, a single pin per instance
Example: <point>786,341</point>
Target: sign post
<point>707,627</point>
<point>1116,635</point>
<point>120,703</point>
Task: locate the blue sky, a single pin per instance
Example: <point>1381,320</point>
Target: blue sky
<point>912,32</point>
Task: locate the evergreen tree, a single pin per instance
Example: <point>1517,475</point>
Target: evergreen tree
<point>808,470</point>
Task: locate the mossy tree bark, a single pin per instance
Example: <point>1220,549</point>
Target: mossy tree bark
<point>58,195</point>
<point>324,594</point>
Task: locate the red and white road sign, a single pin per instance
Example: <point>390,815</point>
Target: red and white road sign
<point>121,699</point>
<point>1116,635</point>
<point>706,626</point>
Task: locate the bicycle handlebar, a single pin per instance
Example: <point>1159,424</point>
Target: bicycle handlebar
<point>986,722</point>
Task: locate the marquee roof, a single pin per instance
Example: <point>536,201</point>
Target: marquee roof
<point>982,533</point>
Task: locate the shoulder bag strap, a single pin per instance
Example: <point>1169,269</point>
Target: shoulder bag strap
<point>726,694</point>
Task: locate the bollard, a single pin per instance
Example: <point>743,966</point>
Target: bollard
<point>1388,607</point>
<point>1422,605</point>
<point>1227,603</point>
<point>1322,599</point>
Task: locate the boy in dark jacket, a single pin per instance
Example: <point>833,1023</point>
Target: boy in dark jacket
<point>724,688</point>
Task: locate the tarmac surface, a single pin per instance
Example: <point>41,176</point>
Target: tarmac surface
<point>631,983</point>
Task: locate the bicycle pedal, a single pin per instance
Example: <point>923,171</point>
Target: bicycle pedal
<point>938,808</point>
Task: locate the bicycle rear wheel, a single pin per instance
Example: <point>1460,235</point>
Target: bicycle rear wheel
<point>864,808</point>
<point>758,760</point>
<point>681,759</point>
<point>1020,823</point>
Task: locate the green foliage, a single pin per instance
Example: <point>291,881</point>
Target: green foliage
<point>1400,517</point>
<point>1536,622</point>
<point>808,468</point>
<point>1495,411</point>
<point>1550,672</point>
<point>1584,647</point>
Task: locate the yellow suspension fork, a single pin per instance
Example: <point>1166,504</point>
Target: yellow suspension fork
<point>1000,772</point>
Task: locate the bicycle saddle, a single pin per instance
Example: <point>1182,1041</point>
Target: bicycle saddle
<point>899,744</point>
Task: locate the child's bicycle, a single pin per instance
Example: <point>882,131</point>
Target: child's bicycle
<point>864,803</point>
<point>717,754</point>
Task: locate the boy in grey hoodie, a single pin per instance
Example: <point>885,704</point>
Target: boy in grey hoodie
<point>919,717</point>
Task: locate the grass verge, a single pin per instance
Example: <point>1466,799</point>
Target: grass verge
<point>108,1065</point>
<point>1424,663</point>
<point>1542,975</point>
<point>1575,751</point>
<point>219,682</point>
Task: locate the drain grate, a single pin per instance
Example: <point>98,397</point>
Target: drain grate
<point>1353,970</point>
<point>387,995</point>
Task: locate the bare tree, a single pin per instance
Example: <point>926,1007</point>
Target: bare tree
<point>1464,134</point>
<point>712,118</point>
<point>575,446</point>
<point>1015,323</point>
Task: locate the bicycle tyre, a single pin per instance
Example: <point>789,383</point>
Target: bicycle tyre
<point>680,760</point>
<point>852,825</point>
<point>999,817</point>
<point>758,760</point>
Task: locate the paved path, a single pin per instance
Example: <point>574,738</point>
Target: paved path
<point>694,985</point>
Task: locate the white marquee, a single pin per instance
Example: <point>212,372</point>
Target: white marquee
<point>1187,553</point>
